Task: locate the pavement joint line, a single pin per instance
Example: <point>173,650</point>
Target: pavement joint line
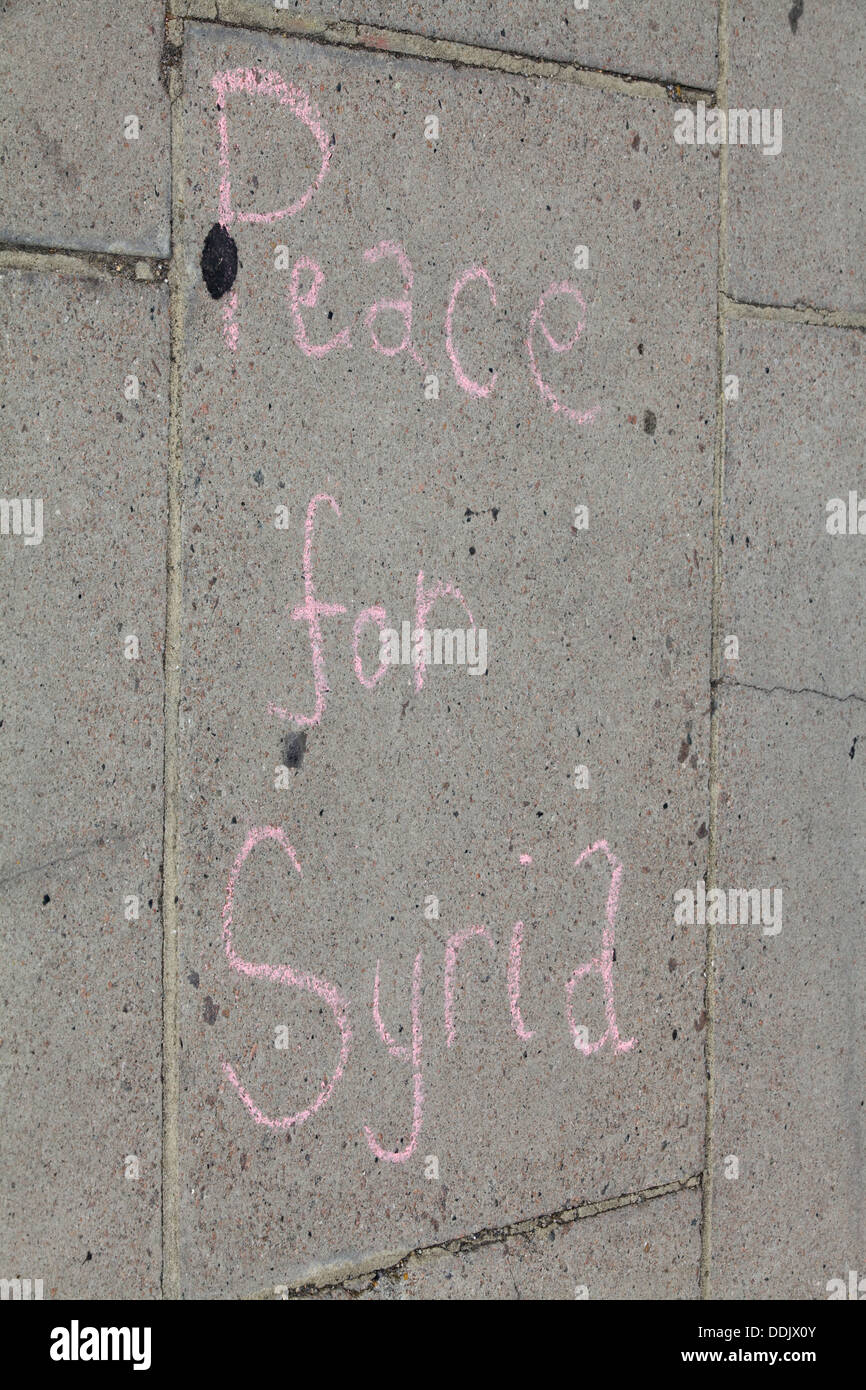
<point>170,1281</point>
<point>155,270</point>
<point>792,313</point>
<point>336,1276</point>
<point>725,683</point>
<point>715,666</point>
<point>100,265</point>
<point>400,43</point>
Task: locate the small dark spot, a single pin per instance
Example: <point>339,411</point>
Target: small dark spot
<point>47,899</point>
<point>245,1158</point>
<point>219,261</point>
<point>672,965</point>
<point>87,1257</point>
<point>635,202</point>
<point>674,1035</point>
<point>635,144</point>
<point>649,422</point>
<point>853,746</point>
<point>211,1010</point>
<point>296,747</point>
<point>258,477</point>
<point>640,349</point>
<point>702,830</point>
<point>700,1021</point>
<point>683,753</point>
<point>193,978</point>
<point>795,14</point>
<point>472,550</point>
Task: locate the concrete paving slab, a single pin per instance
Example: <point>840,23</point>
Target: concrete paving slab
<point>667,40</point>
<point>84,126</point>
<point>406,790</point>
<point>80,1146</point>
<point>795,219</point>
<point>82,571</point>
<point>790,1069</point>
<point>648,1251</point>
<point>792,589</point>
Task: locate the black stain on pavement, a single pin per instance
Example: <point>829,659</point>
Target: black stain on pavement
<point>795,14</point>
<point>219,261</point>
<point>296,747</point>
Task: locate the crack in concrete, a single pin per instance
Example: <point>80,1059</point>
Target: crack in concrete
<point>389,1264</point>
<point>790,690</point>
<point>97,265</point>
<point>404,43</point>
<point>792,313</point>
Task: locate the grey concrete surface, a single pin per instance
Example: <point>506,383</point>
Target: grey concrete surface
<point>791,589</point>
<point>75,172</point>
<point>81,796</point>
<point>651,1250</point>
<point>597,654</point>
<point>668,39</point>
<point>796,219</point>
<point>790,1069</point>
<point>439,327</point>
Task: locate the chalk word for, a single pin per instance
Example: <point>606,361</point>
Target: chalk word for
<point>410,1053</point>
<point>308,277</point>
<point>312,610</point>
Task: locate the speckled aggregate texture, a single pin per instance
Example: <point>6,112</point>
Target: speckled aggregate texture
<point>650,1251</point>
<point>791,1072</point>
<point>329,978</point>
<point>76,169</point>
<point>81,793</point>
<point>797,220</point>
<point>646,38</point>
<point>792,591</point>
<point>597,655</point>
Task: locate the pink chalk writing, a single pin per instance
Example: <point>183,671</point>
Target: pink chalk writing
<point>312,610</point>
<point>283,975</point>
<point>602,964</point>
<point>580,418</point>
<point>514,979</point>
<point>454,943</point>
<point>402,306</point>
<point>411,1055</point>
<point>401,1155</point>
<point>424,601</point>
<point>472,388</point>
<point>376,615</point>
<point>308,300</point>
<point>230,328</point>
<point>255,82</point>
